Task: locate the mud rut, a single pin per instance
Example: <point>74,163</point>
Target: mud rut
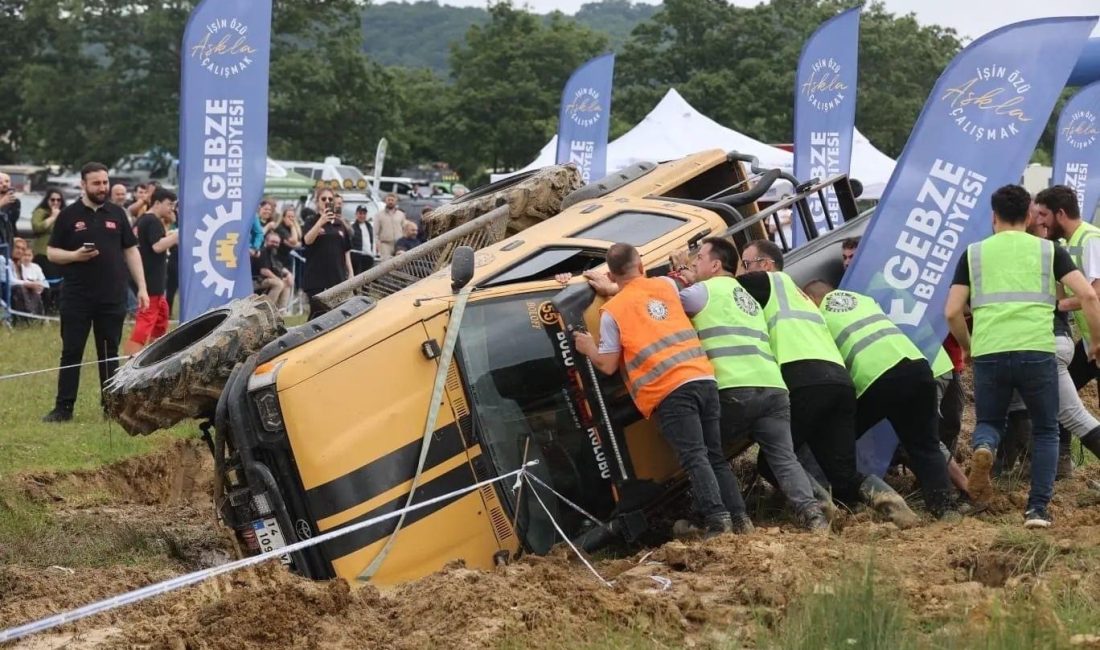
<point>720,592</point>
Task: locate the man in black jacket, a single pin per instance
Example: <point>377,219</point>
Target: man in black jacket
<point>362,241</point>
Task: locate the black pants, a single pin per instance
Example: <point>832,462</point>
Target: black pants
<point>1081,370</point>
<point>824,417</point>
<point>360,263</point>
<point>316,310</point>
<point>951,408</point>
<point>77,320</point>
<point>905,396</point>
<point>689,420</point>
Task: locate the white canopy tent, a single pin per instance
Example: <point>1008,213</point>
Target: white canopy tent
<point>674,129</point>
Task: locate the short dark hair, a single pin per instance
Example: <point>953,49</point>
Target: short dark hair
<point>1060,197</point>
<point>161,194</point>
<point>769,250</point>
<point>1011,203</point>
<point>725,252</point>
<point>850,244</point>
<point>621,258</point>
<point>817,289</point>
<point>91,168</point>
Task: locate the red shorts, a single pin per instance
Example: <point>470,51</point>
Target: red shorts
<point>152,323</point>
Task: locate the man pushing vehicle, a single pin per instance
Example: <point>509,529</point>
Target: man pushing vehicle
<point>645,330</point>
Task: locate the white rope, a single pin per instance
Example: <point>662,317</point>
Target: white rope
<point>16,312</point>
<point>74,365</point>
<point>567,501</point>
<point>172,584</point>
<point>527,477</point>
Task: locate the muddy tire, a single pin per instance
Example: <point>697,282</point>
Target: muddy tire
<point>531,198</point>
<point>182,374</point>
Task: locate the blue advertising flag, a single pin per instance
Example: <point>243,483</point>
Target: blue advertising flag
<point>1077,152</point>
<point>976,133</point>
<point>585,117</point>
<point>825,110</point>
<point>223,148</point>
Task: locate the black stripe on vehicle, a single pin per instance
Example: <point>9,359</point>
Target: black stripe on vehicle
<point>382,474</point>
<point>456,479</point>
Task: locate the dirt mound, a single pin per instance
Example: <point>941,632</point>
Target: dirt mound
<point>181,473</point>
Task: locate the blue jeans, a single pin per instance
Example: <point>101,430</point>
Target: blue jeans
<point>1034,375</point>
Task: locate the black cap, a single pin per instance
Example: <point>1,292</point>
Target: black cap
<point>361,208</point>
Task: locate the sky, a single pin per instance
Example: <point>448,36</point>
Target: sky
<point>971,18</point>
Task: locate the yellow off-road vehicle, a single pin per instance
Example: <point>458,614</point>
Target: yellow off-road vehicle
<point>448,366</point>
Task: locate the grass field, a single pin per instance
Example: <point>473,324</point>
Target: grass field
<point>89,440</point>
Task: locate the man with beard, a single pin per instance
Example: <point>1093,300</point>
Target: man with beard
<point>1056,215</point>
<point>94,245</point>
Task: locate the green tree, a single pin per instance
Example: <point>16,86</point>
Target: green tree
<point>508,77</point>
<point>737,65</point>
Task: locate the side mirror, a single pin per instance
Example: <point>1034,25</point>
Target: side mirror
<point>462,267</point>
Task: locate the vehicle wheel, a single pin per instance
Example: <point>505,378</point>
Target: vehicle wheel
<point>532,198</point>
<point>181,375</point>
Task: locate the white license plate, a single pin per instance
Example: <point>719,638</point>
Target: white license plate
<point>270,537</point>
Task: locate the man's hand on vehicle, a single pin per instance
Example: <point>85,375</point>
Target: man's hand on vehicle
<point>679,260</point>
<point>602,283</point>
<point>585,344</point>
<point>563,278</point>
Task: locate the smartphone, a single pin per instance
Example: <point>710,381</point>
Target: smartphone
<point>88,246</point>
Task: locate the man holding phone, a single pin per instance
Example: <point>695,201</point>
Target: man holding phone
<point>328,250</point>
<point>9,211</point>
<point>95,247</point>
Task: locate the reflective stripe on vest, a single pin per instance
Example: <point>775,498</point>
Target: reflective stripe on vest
<point>1012,293</point>
<point>795,326</point>
<point>868,339</point>
<point>660,349</point>
<point>1076,247</point>
<point>734,335</point>
<point>980,298</point>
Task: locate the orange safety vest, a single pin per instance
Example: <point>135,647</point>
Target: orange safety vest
<point>660,348</point>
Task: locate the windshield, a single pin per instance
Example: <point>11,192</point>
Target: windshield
<point>516,366</point>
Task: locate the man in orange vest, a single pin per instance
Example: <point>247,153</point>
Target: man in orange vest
<point>644,330</point>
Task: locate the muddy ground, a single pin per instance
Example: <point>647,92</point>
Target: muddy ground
<point>720,593</point>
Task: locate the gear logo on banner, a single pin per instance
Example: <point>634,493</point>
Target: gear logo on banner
<point>215,255</point>
<point>1082,130</point>
<point>824,89</point>
<point>991,105</point>
<point>223,49</point>
<point>586,108</point>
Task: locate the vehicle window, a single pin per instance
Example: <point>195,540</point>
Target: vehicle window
<point>634,228</point>
<point>518,387</point>
<point>347,171</point>
<point>545,264</point>
<point>385,186</point>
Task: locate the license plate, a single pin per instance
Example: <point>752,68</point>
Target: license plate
<point>270,537</point>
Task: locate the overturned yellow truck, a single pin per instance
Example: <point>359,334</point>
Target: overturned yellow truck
<point>452,365</point>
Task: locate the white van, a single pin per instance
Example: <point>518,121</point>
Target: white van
<point>352,185</point>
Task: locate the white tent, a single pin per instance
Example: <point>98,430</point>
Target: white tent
<point>674,129</point>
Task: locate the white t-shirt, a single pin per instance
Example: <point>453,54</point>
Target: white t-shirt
<point>31,273</point>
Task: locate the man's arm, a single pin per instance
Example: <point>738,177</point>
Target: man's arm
<point>137,272</point>
<point>1090,304</point>
<point>166,242</point>
<point>955,310</point>
<point>605,362</point>
<point>62,256</point>
<point>347,263</point>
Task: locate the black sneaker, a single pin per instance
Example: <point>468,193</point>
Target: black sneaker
<point>1038,518</point>
<point>718,525</point>
<point>58,415</point>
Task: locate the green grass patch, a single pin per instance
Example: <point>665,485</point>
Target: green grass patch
<point>855,612</point>
<point>89,440</point>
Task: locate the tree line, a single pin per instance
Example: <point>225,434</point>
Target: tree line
<point>96,79</point>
